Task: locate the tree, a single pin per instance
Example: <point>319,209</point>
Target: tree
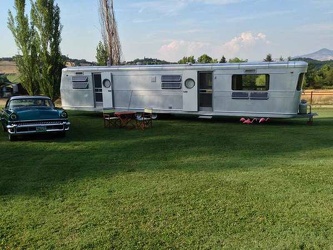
<point>310,76</point>
<point>223,60</point>
<point>109,31</point>
<point>205,59</point>
<point>3,79</point>
<point>40,60</point>
<point>46,18</point>
<point>237,60</point>
<point>186,60</point>
<point>101,54</point>
<point>324,76</point>
<point>25,38</point>
<point>268,58</point>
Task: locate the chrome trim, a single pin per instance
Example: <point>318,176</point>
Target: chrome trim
<point>32,127</point>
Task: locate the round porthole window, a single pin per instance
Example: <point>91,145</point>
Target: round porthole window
<point>106,83</point>
<point>189,83</point>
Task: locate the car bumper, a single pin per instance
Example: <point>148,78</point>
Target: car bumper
<point>31,128</point>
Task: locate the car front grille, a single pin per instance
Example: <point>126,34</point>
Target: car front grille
<point>38,123</point>
<point>45,126</point>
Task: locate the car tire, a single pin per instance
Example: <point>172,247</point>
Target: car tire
<point>62,134</point>
<point>11,137</point>
<point>4,128</point>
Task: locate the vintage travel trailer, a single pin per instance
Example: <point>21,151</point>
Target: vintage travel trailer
<point>264,89</point>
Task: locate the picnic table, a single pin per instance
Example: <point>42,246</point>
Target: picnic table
<point>127,118</point>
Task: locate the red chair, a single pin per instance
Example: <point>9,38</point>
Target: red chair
<point>111,121</point>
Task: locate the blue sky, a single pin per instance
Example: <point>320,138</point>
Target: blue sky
<point>171,29</point>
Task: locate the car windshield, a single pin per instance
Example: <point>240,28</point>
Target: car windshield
<point>28,102</point>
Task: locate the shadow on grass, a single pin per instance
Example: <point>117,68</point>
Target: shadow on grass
<point>34,164</point>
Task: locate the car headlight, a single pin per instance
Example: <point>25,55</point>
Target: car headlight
<point>63,114</point>
<point>13,117</point>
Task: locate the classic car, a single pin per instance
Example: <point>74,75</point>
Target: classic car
<point>33,114</point>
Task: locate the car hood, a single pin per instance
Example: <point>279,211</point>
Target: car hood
<point>37,113</point>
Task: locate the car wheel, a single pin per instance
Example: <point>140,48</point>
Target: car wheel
<point>62,134</point>
<point>11,137</point>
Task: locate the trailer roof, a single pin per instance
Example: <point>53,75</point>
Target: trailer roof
<point>195,66</point>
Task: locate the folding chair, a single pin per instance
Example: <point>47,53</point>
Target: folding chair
<point>111,121</point>
<point>145,119</point>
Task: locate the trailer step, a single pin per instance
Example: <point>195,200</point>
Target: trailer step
<point>205,117</point>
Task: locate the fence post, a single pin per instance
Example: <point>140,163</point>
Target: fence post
<point>311,97</point>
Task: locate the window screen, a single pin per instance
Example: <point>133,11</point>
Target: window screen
<point>171,81</point>
<point>80,82</point>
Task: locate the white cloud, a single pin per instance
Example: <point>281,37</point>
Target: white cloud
<point>245,40</point>
<point>245,45</point>
<point>176,49</point>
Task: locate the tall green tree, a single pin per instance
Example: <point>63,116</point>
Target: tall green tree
<point>186,60</point>
<point>46,18</point>
<point>205,59</point>
<point>324,76</point>
<point>310,76</point>
<point>101,54</point>
<point>223,60</point>
<point>268,58</point>
<point>25,38</point>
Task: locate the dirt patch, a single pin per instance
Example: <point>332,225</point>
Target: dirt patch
<point>3,102</point>
<point>8,67</point>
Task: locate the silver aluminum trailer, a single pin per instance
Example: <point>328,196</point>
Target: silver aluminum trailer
<point>264,89</point>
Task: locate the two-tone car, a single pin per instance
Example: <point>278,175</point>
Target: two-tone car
<point>33,114</point>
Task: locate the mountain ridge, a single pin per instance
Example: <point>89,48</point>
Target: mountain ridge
<point>320,55</point>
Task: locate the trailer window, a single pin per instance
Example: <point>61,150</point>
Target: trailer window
<point>171,81</point>
<point>300,81</point>
<point>250,82</point>
<point>80,82</point>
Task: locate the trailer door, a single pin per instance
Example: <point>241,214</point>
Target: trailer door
<point>98,97</point>
<point>205,82</point>
<point>190,91</point>
<point>107,90</point>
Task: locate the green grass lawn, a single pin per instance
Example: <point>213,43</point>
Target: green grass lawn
<point>184,184</point>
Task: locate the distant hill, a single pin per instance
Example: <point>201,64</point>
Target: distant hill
<point>320,55</point>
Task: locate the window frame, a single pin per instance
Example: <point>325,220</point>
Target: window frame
<point>300,81</point>
<point>238,83</point>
